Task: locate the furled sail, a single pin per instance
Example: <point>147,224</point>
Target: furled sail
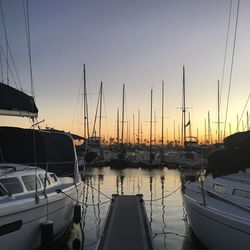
<point>14,102</point>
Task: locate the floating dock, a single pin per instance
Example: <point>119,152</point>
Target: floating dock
<point>126,226</point>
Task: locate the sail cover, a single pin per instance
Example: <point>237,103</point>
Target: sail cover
<point>51,149</point>
<point>233,157</point>
<point>14,102</point>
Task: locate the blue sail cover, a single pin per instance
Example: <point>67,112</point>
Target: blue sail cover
<point>14,102</point>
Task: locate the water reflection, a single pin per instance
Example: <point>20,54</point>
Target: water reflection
<point>164,207</point>
<point>163,210</point>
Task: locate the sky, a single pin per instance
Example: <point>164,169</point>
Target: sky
<point>138,43</point>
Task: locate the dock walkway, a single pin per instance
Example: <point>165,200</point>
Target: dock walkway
<point>126,226</point>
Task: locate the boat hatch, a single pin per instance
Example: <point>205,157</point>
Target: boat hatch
<point>241,193</point>
<point>12,185</point>
<point>219,188</point>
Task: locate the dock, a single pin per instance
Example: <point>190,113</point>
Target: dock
<point>126,225</point>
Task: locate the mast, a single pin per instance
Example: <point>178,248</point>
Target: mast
<point>190,129</point>
<point>154,126</point>
<point>247,121</point>
<point>150,143</point>
<point>179,134</point>
<point>138,139</point>
<point>100,116</point>
<point>218,97</point>
<point>123,94</point>
<point>162,116</point>
<point>209,127</point>
<point>184,108</point>
<point>85,105</point>
<point>205,124</point>
<point>133,129</point>
<point>118,132</point>
<point>99,102</point>
<point>174,134</point>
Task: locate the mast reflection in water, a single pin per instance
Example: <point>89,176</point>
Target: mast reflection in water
<point>164,206</point>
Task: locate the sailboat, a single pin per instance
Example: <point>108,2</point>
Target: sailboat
<point>221,200</point>
<point>40,185</point>
<point>121,161</point>
<point>39,178</point>
<point>190,163</point>
<point>189,160</point>
<point>150,158</point>
<point>90,148</point>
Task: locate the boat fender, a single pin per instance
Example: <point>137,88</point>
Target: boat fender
<point>77,214</point>
<point>46,234</point>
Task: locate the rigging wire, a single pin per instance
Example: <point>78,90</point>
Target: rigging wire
<point>161,198</point>
<point>99,191</point>
<point>78,106</point>
<point>232,64</point>
<point>226,48</point>
<point>97,106</point>
<point>15,83</point>
<point>243,111</point>
<point>1,66</point>
<point>6,40</point>
<point>169,232</point>
<point>15,69</point>
<point>8,52</point>
<point>82,203</point>
<point>27,27</point>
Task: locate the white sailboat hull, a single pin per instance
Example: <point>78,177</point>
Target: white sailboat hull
<point>217,229</point>
<point>31,215</point>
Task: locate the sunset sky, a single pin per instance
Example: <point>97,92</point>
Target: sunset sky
<point>135,42</point>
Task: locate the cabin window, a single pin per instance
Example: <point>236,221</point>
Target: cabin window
<point>30,182</point>
<point>3,191</point>
<point>53,178</point>
<point>42,178</point>
<point>12,185</point>
<point>241,193</point>
<point>219,188</point>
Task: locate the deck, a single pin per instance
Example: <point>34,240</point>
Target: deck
<point>126,225</point>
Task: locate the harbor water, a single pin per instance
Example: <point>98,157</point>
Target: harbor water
<point>161,190</point>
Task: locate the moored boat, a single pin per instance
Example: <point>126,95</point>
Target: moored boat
<point>37,197</point>
<point>218,206</point>
<point>39,179</point>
